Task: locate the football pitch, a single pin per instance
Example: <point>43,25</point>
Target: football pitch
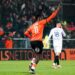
<point>43,68</point>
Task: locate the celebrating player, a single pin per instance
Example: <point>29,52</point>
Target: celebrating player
<point>35,33</point>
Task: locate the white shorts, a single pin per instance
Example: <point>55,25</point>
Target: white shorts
<point>57,49</point>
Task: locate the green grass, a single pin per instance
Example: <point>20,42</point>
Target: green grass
<point>43,68</point>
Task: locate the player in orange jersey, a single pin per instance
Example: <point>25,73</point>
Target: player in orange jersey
<point>35,33</point>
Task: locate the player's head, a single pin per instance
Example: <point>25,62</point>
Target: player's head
<point>39,17</point>
<point>59,25</point>
<point>36,18</point>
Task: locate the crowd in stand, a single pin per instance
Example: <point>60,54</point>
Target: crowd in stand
<point>17,15</point>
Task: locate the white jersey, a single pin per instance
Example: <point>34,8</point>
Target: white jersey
<point>57,36</point>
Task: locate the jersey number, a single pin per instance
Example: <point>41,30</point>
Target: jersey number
<point>57,34</point>
<point>36,29</point>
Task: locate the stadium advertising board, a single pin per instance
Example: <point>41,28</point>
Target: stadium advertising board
<point>15,54</point>
<point>22,55</point>
<point>66,54</point>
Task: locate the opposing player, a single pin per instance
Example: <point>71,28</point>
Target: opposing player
<point>35,33</point>
<point>57,34</point>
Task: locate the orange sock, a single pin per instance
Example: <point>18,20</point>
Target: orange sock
<point>33,66</point>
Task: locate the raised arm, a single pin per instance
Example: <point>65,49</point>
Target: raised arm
<point>53,15</point>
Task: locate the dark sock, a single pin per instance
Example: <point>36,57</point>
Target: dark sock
<point>57,60</point>
<point>37,59</point>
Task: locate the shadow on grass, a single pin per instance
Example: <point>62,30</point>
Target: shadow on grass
<point>27,73</point>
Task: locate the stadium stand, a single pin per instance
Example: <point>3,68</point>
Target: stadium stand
<point>17,15</point>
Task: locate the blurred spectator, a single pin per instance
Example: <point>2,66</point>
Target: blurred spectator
<point>44,42</point>
<point>9,33</point>
<point>9,43</point>
<point>1,36</point>
<point>1,31</point>
<point>9,29</point>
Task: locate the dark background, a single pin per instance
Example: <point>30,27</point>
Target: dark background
<point>69,10</point>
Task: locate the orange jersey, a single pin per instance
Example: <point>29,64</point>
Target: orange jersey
<point>1,33</point>
<point>8,44</point>
<point>35,31</point>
